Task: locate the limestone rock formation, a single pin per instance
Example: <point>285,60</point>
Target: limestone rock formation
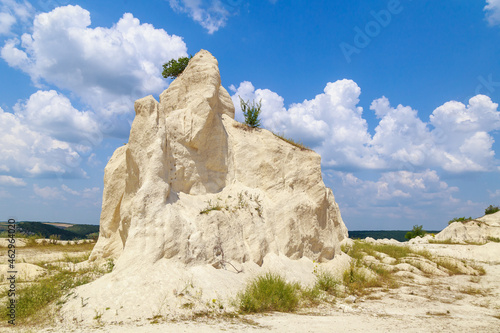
<point>192,182</point>
<point>196,204</point>
<point>479,230</point>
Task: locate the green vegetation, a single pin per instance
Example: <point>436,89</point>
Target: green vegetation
<point>494,239</point>
<point>251,112</point>
<point>45,230</point>
<point>491,209</point>
<point>174,68</point>
<point>326,282</point>
<point>37,296</point>
<point>94,236</point>
<point>84,230</point>
<point>210,207</point>
<point>36,230</point>
<point>460,219</point>
<point>269,293</point>
<point>415,232</point>
<point>444,241</point>
<point>297,144</point>
<point>34,299</point>
<point>360,249</point>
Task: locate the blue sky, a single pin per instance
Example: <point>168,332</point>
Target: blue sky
<point>400,98</point>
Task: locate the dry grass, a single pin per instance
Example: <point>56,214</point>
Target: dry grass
<point>365,275</point>
<point>48,247</point>
<point>472,291</point>
<point>450,265</point>
<point>38,302</point>
<point>294,143</point>
<point>445,241</point>
<point>244,127</point>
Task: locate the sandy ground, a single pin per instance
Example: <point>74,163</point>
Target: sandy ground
<point>458,303</point>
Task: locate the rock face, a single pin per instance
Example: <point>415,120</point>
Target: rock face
<point>195,186</point>
<point>479,230</point>
<point>196,204</point>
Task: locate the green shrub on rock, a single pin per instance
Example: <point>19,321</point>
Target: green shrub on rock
<point>174,68</point>
<point>415,232</point>
<point>251,112</point>
<point>491,209</point>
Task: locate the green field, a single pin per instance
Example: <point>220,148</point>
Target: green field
<point>65,231</point>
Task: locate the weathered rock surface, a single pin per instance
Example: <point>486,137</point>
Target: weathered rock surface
<point>479,230</point>
<point>194,191</point>
<point>187,154</point>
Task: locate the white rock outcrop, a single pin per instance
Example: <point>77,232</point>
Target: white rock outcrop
<point>480,230</point>
<point>187,154</point>
<point>194,192</point>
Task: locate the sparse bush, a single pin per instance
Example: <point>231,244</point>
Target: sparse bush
<point>110,264</point>
<point>310,296</point>
<point>460,219</point>
<point>269,292</point>
<point>54,238</point>
<point>491,209</point>
<point>356,281</point>
<point>94,236</point>
<point>174,68</point>
<point>210,207</point>
<point>326,282</point>
<point>251,112</point>
<point>415,232</point>
<point>494,239</point>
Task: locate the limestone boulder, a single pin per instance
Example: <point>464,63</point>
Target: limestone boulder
<point>192,182</point>
<point>479,230</point>
<point>196,204</point>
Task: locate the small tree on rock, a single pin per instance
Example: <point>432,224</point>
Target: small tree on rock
<point>251,112</point>
<point>491,209</point>
<point>174,68</point>
<point>415,232</point>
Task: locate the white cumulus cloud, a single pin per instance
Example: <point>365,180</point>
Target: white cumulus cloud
<point>492,9</point>
<point>403,197</point>
<point>26,151</point>
<point>11,181</point>
<point>6,22</point>
<point>456,138</point>
<point>11,12</point>
<point>52,193</point>
<point>107,68</point>
<point>51,113</point>
<point>211,15</point>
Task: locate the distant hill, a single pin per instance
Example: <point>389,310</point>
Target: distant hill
<point>66,231</point>
<point>398,235</point>
<point>83,229</point>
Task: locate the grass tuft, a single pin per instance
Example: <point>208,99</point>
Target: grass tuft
<point>269,292</point>
<point>211,207</point>
<point>326,282</point>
